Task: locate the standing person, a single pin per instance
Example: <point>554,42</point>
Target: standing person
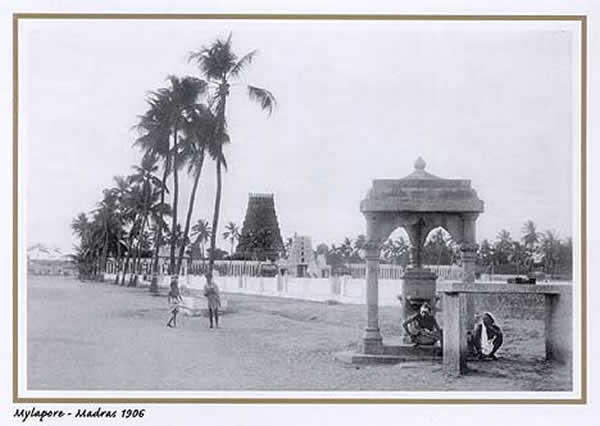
<point>174,293</point>
<point>211,292</point>
<point>424,328</point>
<point>174,300</point>
<point>486,334</point>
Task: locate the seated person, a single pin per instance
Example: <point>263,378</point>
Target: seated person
<point>487,337</point>
<point>424,329</point>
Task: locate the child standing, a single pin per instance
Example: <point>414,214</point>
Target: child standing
<point>174,299</point>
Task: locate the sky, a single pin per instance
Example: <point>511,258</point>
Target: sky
<point>355,102</point>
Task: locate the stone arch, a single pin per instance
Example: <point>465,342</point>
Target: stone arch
<point>433,231</point>
<point>436,257</point>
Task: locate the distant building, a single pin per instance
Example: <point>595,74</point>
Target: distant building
<point>44,260</point>
<point>260,238</point>
<point>301,260</point>
<point>50,267</point>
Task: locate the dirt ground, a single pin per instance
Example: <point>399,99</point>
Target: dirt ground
<point>98,336</point>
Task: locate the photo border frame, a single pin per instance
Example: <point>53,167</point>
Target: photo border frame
<point>582,19</point>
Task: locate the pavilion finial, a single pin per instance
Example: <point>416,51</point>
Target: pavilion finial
<point>420,164</point>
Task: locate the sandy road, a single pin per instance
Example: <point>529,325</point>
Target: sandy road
<point>97,336</point>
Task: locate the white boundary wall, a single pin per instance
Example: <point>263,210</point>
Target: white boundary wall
<point>340,289</point>
<point>343,289</point>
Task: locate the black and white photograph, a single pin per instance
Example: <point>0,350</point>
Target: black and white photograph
<point>300,207</point>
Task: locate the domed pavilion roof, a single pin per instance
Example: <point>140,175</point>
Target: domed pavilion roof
<point>420,192</point>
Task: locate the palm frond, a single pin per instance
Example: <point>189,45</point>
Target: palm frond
<point>242,63</point>
<point>265,99</point>
<point>215,61</point>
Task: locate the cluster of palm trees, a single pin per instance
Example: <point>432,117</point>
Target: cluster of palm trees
<point>122,223</point>
<point>201,234</point>
<point>536,250</point>
<point>439,249</point>
<point>184,125</point>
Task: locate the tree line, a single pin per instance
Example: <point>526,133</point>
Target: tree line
<point>184,125</point>
<point>534,251</point>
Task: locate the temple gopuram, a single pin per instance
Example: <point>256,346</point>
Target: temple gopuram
<point>260,238</point>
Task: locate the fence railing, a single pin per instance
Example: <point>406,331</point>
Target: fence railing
<point>253,268</point>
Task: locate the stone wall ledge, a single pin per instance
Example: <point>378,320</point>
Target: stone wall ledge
<point>446,287</point>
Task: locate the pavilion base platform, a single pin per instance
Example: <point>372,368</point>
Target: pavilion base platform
<point>393,352</point>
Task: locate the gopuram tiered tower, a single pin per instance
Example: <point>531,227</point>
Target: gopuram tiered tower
<point>260,238</point>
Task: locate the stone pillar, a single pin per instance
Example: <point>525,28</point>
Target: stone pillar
<point>468,251</point>
<point>372,340</point>
<point>415,234</point>
<point>415,256</point>
<point>468,248</point>
<point>455,333</point>
<point>559,327</point>
<point>468,255</point>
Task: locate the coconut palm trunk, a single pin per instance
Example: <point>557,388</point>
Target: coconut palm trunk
<point>134,259</point>
<point>118,262</point>
<point>138,252</point>
<point>126,267</point>
<point>172,265</point>
<point>158,236</point>
<point>104,252</point>
<point>219,157</point>
<point>127,259</point>
<point>138,261</point>
<point>215,223</point>
<point>218,64</point>
<point>188,218</point>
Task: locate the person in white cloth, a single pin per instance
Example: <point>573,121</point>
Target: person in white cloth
<point>486,338</point>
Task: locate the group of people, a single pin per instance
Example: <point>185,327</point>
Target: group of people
<point>210,291</point>
<point>483,342</point>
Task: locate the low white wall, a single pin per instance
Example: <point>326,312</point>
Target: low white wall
<point>341,289</point>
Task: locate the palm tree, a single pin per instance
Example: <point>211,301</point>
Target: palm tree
<point>359,245</point>
<point>232,233</point>
<point>183,95</point>
<point>104,218</point>
<point>530,235</point>
<point>133,208</point>
<point>396,251</point>
<point>551,250</point>
<point>82,228</point>
<point>155,142</point>
<point>485,253</point>
<point>517,255</point>
<point>438,248</point>
<point>119,192</point>
<point>145,184</point>
<point>201,232</point>
<point>503,246</point>
<point>162,126</point>
<point>346,249</point>
<point>219,65</point>
<point>197,132</point>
